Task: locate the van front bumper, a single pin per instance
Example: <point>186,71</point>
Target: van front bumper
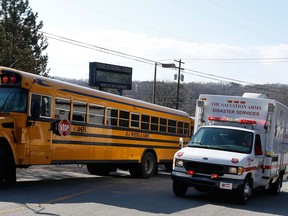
<point>207,181</point>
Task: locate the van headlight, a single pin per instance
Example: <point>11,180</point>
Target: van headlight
<point>179,163</point>
<point>235,170</point>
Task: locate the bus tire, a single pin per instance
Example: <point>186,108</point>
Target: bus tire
<point>148,165</point>
<point>146,169</point>
<point>179,188</point>
<point>7,168</point>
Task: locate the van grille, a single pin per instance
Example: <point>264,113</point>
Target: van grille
<point>205,168</point>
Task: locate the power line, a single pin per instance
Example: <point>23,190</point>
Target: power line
<point>147,61</point>
<point>98,48</point>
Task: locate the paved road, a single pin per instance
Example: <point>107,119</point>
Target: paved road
<point>68,190</point>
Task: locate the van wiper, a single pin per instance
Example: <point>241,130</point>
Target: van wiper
<point>199,145</point>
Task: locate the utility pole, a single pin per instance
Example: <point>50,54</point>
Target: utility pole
<point>154,84</point>
<point>178,84</point>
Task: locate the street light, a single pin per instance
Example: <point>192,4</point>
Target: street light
<point>168,65</point>
<point>178,83</point>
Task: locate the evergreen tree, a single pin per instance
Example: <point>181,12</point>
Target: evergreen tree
<point>21,43</point>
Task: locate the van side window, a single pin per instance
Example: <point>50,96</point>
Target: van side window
<point>258,148</point>
<point>45,104</point>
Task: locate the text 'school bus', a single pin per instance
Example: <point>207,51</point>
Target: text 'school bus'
<point>45,121</point>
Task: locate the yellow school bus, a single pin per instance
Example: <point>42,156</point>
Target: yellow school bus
<point>46,121</point>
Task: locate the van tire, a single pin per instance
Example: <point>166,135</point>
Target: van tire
<point>179,188</point>
<point>246,191</point>
<point>275,187</point>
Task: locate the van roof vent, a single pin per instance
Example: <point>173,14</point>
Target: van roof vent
<point>254,95</point>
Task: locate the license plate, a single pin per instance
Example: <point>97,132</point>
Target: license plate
<point>225,185</point>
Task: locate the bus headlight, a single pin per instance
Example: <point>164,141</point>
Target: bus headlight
<point>179,163</point>
<point>235,170</point>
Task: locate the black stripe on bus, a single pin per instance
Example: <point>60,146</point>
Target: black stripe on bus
<point>120,137</point>
<point>89,125</point>
<point>117,101</point>
<point>73,142</point>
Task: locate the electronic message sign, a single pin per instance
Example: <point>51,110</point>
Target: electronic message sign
<point>110,76</point>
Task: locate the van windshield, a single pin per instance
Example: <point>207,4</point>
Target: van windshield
<point>13,100</point>
<point>223,139</point>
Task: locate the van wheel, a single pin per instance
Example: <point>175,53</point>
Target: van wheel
<point>245,192</point>
<point>179,188</point>
<point>275,187</point>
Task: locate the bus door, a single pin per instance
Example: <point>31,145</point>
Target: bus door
<point>39,130</point>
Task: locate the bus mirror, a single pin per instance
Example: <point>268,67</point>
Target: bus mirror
<point>181,142</point>
<point>35,110</point>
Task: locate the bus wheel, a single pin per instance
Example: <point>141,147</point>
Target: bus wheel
<point>100,169</point>
<point>148,165</point>
<point>146,169</point>
<point>7,168</point>
<point>179,188</point>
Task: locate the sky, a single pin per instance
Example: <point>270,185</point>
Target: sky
<point>236,41</point>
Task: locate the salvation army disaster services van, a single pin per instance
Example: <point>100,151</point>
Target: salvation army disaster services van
<point>239,144</point>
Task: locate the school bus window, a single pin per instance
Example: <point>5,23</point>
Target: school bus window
<point>163,124</point>
<point>79,111</point>
<point>171,126</point>
<point>13,100</point>
<point>62,108</point>
<point>186,129</point>
<point>180,127</point>
<point>154,123</point>
<point>96,114</point>
<point>124,119</point>
<point>145,119</point>
<point>135,118</point>
<point>45,104</point>
<point>112,116</point>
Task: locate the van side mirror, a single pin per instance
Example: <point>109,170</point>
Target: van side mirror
<point>35,110</point>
